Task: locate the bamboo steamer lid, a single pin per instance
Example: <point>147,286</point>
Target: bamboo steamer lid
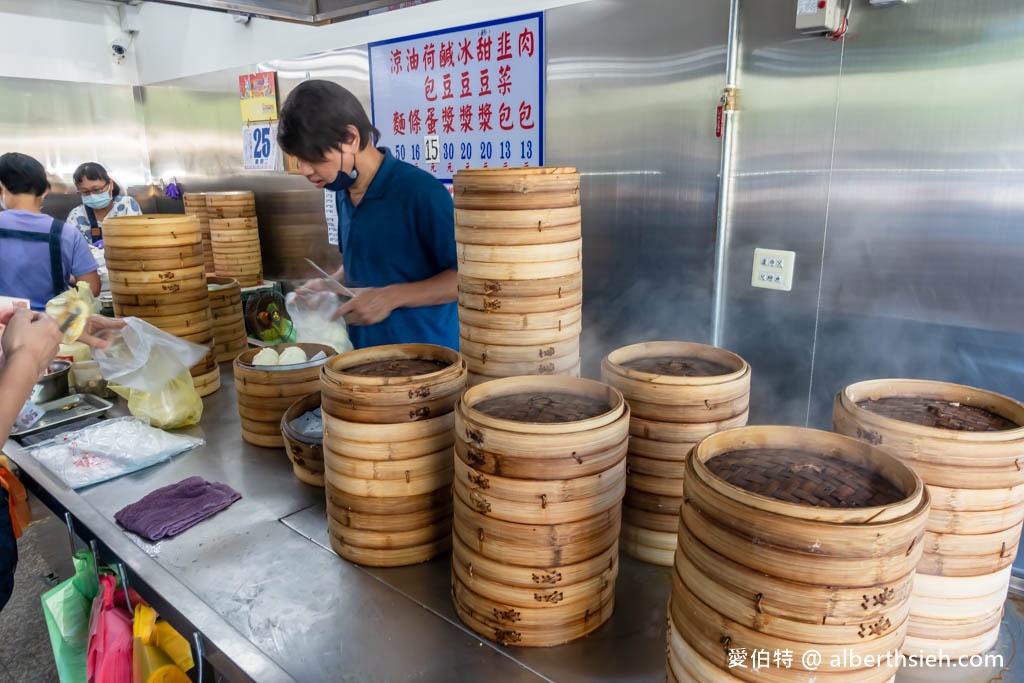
<point>152,230</point>
<point>945,455</point>
<point>526,188</point>
<point>519,288</point>
<point>521,305</point>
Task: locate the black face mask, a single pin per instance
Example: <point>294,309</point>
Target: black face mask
<point>342,181</point>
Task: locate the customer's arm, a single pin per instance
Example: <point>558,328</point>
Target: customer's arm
<point>29,343</point>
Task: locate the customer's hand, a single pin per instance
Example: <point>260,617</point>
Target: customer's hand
<point>96,324</point>
<point>33,336</point>
<point>370,306</point>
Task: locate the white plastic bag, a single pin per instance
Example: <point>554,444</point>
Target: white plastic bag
<point>311,314</point>
<point>109,449</point>
<point>145,357</point>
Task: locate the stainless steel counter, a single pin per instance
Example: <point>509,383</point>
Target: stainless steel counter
<point>273,603</point>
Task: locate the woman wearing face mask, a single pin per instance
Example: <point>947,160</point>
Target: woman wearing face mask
<point>39,255</point>
<point>101,199</point>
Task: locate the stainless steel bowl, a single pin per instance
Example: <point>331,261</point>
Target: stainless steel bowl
<point>54,385</point>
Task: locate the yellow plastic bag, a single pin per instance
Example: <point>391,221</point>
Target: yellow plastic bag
<point>176,405</point>
<point>160,654</point>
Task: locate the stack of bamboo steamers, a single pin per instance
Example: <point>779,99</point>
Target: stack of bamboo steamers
<point>678,393</point>
<point>539,477</point>
<point>234,236</point>
<point>387,451</point>
<point>968,446</point>
<point>518,237</point>
<point>796,559</point>
<point>157,273</point>
<point>195,205</point>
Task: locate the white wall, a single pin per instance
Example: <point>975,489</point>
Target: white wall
<point>176,41</point>
<point>62,40</point>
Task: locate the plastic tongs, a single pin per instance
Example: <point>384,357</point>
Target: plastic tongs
<point>337,286</point>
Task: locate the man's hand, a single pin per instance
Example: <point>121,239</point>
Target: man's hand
<point>33,336</point>
<point>370,306</point>
<point>96,324</point>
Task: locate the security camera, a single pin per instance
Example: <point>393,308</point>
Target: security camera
<point>119,48</point>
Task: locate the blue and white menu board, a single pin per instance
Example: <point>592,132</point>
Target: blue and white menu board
<point>468,97</point>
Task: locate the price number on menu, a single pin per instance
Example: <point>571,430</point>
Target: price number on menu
<point>431,149</point>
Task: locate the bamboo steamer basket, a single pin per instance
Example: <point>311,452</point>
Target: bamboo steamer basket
<point>140,255</point>
<point>473,379</point>
<point>535,596</point>
<point>966,444</point>
<point>502,353</point>
<point>144,264</point>
<point>514,236</point>
<point>520,288</point>
<point>195,205</point>
<point>229,333</point>
<point>535,577</point>
<point>521,305</point>
<point>532,220</point>
<point>530,253</point>
<point>551,320</point>
<point>496,370</point>
<point>793,600</point>
<point>653,521</point>
<point>224,238</point>
<point>266,393</point>
<point>207,383</point>
<point>152,231</point>
<point>408,396</point>
<point>523,270</point>
<point>305,452</point>
<point>482,335</point>
<point>713,636</point>
<point>852,520</point>
<point>539,477</point>
<point>231,225</point>
<point>679,393</point>
<point>387,451</point>
<point>235,204</point>
<point>516,189</point>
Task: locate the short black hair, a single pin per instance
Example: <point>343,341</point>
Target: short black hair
<point>22,174</point>
<point>90,170</point>
<point>315,119</point>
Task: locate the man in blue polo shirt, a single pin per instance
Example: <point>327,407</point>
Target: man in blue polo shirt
<point>396,228</point>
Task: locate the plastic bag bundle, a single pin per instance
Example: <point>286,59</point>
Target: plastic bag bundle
<point>108,450</point>
<point>152,366</point>
<point>66,608</point>
<point>311,314</point>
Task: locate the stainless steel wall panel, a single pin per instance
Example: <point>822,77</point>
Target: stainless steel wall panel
<point>63,124</point>
<point>631,95</point>
<point>787,97</point>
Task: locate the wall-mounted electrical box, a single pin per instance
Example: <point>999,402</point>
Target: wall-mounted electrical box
<point>818,16</point>
<point>773,269</point>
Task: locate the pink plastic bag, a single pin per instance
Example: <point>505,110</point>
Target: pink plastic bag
<point>109,658</point>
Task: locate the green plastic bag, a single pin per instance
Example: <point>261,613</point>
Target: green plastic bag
<point>67,608</point>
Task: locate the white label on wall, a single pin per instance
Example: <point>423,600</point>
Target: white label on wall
<point>806,6</point>
<point>259,147</point>
<point>469,97</point>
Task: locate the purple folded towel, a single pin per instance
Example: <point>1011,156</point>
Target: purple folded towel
<point>172,509</point>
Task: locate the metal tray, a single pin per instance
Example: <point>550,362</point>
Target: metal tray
<point>64,410</point>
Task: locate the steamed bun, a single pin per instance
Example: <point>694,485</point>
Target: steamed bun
<point>292,356</point>
<point>266,356</point>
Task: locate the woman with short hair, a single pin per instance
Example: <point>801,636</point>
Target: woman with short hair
<point>101,199</point>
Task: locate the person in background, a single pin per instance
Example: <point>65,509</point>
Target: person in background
<point>396,223</point>
<point>39,255</point>
<point>101,199</point>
